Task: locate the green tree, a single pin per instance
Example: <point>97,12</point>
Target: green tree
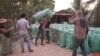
<point>7,8</point>
<point>12,8</point>
<point>33,6</point>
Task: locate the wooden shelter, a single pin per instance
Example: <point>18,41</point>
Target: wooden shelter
<point>61,16</point>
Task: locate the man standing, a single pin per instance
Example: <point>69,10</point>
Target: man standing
<point>41,31</point>
<point>5,37</point>
<point>80,32</point>
<point>23,26</point>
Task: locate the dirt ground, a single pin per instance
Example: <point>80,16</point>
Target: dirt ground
<point>51,49</point>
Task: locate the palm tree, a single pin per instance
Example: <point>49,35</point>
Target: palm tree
<point>97,14</point>
<point>79,4</point>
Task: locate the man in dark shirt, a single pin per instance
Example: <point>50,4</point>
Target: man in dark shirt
<point>41,31</point>
<point>80,32</point>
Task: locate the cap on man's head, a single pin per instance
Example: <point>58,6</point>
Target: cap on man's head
<point>3,20</point>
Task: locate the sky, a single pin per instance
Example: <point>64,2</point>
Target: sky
<point>64,4</point>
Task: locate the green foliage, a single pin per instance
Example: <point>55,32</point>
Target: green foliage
<point>8,8</point>
<point>32,6</point>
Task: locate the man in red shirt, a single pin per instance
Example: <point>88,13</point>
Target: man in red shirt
<point>41,31</point>
<point>5,38</point>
